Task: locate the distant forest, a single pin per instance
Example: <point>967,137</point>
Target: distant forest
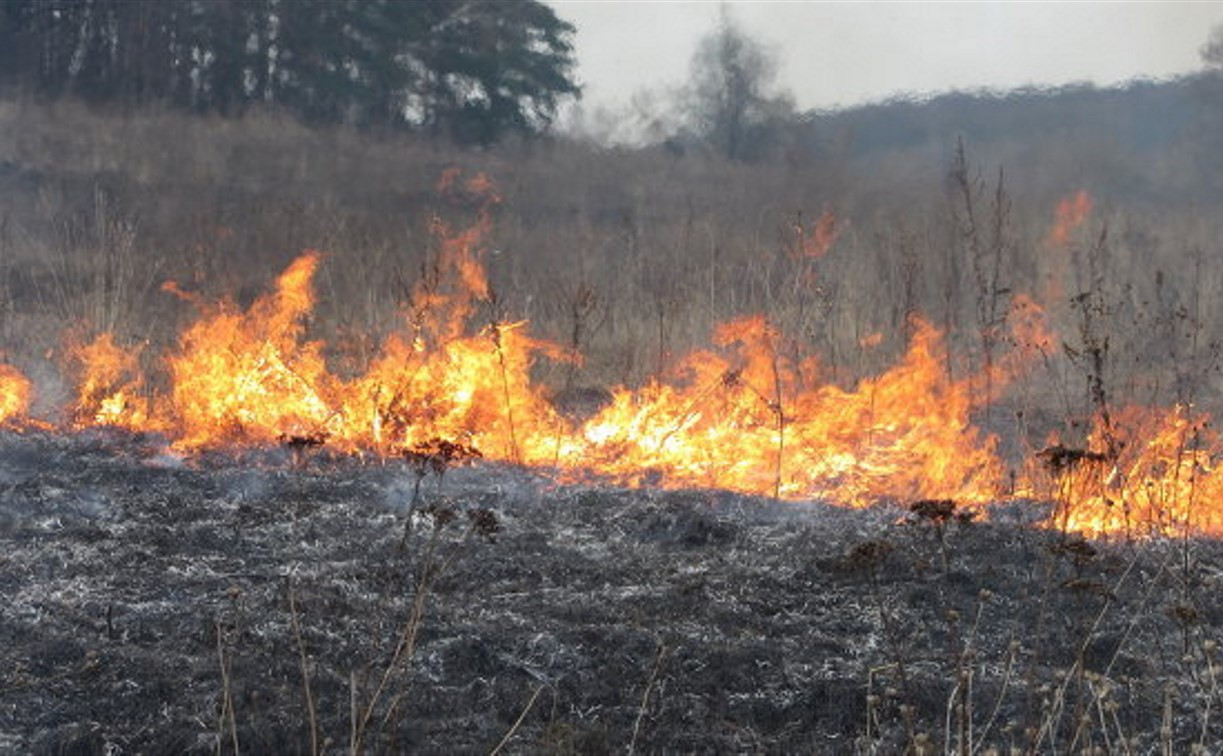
<point>474,72</point>
<point>477,73</point>
<point>1148,141</point>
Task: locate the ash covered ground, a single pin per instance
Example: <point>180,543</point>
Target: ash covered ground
<point>152,605</point>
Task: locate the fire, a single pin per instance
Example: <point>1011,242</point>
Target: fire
<point>1071,214</point>
<point>1145,471</point>
<point>15,393</point>
<point>109,386</point>
<point>741,415</point>
<point>816,241</point>
<point>743,421</point>
<point>475,389</point>
<point>251,376</point>
<point>1030,339</point>
<point>437,379</point>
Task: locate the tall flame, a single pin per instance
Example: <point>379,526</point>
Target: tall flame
<point>251,376</point>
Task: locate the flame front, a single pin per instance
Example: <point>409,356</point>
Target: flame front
<point>741,415</point>
<point>744,422</point>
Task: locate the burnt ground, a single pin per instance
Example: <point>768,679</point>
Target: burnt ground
<point>149,606</point>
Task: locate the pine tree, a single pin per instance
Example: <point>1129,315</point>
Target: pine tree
<point>474,71</point>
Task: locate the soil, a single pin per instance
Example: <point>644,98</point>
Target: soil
<point>155,604</point>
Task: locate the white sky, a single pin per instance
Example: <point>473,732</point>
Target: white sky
<point>836,54</point>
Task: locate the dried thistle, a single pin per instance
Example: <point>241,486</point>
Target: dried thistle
<point>869,554</point>
<point>938,511</point>
<point>484,523</point>
<point>440,514</point>
<point>1061,459</point>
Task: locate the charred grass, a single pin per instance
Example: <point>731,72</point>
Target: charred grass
<point>222,607</point>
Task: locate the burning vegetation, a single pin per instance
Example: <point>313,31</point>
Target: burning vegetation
<point>747,415</point>
<point>651,467</point>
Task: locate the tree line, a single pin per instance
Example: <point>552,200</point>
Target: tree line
<point>472,71</point>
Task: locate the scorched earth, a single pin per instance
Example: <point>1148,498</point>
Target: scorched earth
<point>279,602</point>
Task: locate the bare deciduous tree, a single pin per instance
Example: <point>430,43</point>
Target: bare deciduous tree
<point>1212,50</point>
<point>731,99</point>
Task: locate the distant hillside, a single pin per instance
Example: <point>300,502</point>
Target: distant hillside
<point>1147,140</point>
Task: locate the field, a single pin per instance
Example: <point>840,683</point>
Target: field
<point>257,605</point>
<point>825,453</point>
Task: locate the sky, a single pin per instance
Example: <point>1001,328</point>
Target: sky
<point>839,54</point>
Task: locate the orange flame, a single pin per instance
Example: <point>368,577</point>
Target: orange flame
<point>1145,471</point>
<point>109,386</point>
<point>871,340</point>
<point>15,393</point>
<point>475,389</point>
<point>1030,338</point>
<point>1030,328</point>
<point>1071,214</point>
<point>252,376</point>
<point>743,422</point>
<point>740,417</point>
<point>816,242</point>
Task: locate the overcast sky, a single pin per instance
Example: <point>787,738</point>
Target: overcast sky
<point>836,54</point>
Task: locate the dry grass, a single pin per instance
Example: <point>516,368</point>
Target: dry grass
<point>99,208</point>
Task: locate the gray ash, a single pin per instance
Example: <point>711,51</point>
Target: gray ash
<point>149,605</point>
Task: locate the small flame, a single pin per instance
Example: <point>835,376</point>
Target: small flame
<point>1071,214</point>
<point>816,242</point>
<point>108,386</point>
<point>870,341</point>
<point>1030,327</point>
<point>15,394</point>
